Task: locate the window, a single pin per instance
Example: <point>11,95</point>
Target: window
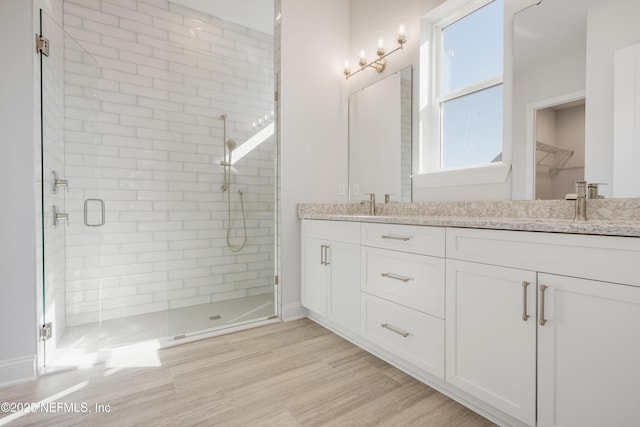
<point>464,129</point>
<point>470,81</point>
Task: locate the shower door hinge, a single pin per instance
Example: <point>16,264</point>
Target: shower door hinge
<point>277,280</point>
<point>275,96</point>
<point>42,45</point>
<point>46,331</point>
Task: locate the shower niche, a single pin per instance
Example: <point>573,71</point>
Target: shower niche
<point>162,224</point>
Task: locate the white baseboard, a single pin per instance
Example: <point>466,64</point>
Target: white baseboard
<point>16,371</point>
<point>293,312</point>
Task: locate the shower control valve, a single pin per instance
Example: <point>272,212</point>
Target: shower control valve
<point>59,216</point>
<point>58,182</point>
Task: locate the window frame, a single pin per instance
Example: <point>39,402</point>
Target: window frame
<point>431,173</point>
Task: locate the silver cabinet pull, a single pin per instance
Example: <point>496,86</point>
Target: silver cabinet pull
<point>394,329</point>
<point>543,321</point>
<point>525,316</point>
<point>86,213</point>
<point>392,237</point>
<point>59,216</point>
<point>324,254</point>
<point>396,277</point>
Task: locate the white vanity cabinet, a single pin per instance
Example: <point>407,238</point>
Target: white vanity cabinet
<point>587,331</point>
<point>331,271</point>
<point>588,353</point>
<point>529,329</point>
<point>491,335</point>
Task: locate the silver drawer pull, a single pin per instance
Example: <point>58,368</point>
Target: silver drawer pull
<point>396,277</point>
<point>392,237</point>
<point>394,329</point>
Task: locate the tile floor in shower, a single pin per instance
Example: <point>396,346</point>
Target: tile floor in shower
<point>90,343</point>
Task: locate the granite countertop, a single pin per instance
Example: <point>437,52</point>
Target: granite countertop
<point>619,217</point>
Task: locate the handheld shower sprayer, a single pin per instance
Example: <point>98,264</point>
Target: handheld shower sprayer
<point>229,145</point>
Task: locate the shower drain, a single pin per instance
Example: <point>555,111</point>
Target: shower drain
<point>216,317</point>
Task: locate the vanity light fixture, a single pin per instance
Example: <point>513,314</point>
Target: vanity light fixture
<point>378,64</point>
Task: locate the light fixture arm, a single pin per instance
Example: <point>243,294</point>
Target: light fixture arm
<point>377,64</point>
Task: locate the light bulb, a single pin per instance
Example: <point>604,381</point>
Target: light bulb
<point>402,38</point>
<point>362,62</point>
<point>380,51</point>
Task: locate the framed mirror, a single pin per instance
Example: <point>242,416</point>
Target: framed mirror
<point>380,139</point>
<point>565,71</point>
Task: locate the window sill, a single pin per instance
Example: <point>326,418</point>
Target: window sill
<point>490,174</point>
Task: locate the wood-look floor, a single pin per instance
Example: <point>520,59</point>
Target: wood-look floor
<point>285,374</point>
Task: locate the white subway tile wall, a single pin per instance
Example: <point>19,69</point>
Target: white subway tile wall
<point>165,76</point>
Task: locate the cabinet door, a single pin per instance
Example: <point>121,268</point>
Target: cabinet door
<point>344,285</point>
<point>588,353</point>
<point>314,276</point>
<point>490,346</point>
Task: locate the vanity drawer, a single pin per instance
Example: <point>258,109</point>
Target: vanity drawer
<point>406,238</point>
<point>337,231</point>
<point>416,281</point>
<point>413,336</point>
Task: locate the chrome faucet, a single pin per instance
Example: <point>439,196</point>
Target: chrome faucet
<point>372,203</point>
<point>581,201</point>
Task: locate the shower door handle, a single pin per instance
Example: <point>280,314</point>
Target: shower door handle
<point>86,213</point>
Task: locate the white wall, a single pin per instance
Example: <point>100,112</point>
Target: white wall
<point>17,219</point>
<point>313,121</point>
<point>610,27</point>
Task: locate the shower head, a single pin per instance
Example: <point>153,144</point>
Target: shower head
<point>230,145</point>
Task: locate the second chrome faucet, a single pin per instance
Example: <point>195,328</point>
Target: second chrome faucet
<point>371,202</point>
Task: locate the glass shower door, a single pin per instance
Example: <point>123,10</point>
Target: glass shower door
<point>71,210</point>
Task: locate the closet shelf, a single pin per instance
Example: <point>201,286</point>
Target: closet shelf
<point>554,157</point>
